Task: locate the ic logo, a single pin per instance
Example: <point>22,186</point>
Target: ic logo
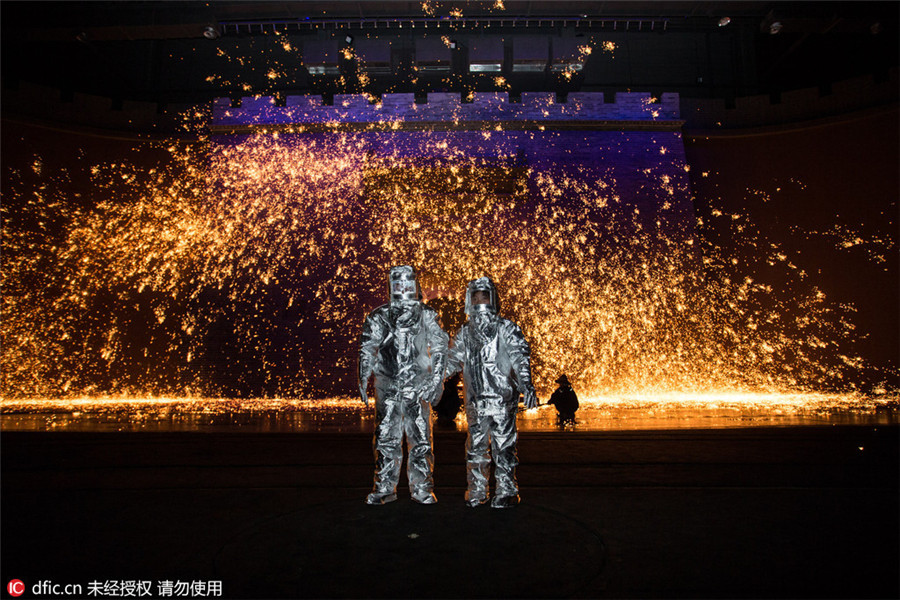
<point>15,588</point>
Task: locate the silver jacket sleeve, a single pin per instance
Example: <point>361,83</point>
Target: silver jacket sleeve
<point>520,361</point>
<point>456,354</point>
<point>437,350</point>
<point>374,331</point>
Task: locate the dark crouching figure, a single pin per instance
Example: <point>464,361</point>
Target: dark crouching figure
<point>450,403</point>
<point>565,400</point>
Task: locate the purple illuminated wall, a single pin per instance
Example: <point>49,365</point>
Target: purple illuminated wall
<point>634,144</point>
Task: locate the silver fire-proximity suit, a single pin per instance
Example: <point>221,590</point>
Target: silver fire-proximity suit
<point>495,359</point>
<point>404,347</point>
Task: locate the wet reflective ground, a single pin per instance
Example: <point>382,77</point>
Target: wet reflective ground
<point>337,415</point>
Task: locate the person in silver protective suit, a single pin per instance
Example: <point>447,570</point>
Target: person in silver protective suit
<point>495,360</point>
<point>404,347</point>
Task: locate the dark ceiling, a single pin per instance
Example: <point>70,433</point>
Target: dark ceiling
<point>156,51</point>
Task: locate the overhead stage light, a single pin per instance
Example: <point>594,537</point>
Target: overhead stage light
<point>210,32</point>
<point>724,21</point>
<point>348,39</point>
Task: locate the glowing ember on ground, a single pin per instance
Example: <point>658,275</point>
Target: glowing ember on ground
<point>679,400</point>
<point>347,414</point>
<point>798,401</point>
<point>674,400</point>
<point>207,405</point>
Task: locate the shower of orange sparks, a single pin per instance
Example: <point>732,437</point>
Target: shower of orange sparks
<point>622,307</point>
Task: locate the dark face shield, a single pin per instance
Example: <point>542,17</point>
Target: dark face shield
<point>481,292</point>
<point>481,297</point>
<point>404,289</point>
<point>402,284</point>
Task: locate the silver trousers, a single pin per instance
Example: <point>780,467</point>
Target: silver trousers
<point>491,434</point>
<point>394,419</point>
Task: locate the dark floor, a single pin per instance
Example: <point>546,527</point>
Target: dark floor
<point>779,512</point>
